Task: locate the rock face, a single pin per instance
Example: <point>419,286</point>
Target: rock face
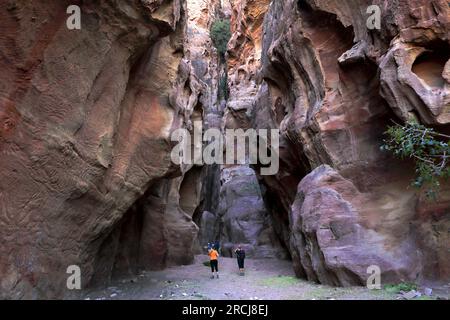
<point>242,214</point>
<point>330,241</point>
<point>244,217</point>
<point>85,142</point>
<point>332,85</point>
<point>244,52</point>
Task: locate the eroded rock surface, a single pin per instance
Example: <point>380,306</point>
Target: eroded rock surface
<point>244,217</point>
<point>332,242</point>
<point>86,123</point>
<point>332,86</point>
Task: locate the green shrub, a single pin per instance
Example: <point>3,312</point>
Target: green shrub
<point>207,264</point>
<point>429,149</point>
<point>396,288</point>
<point>220,35</point>
<point>425,298</point>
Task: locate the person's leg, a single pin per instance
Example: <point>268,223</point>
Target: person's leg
<point>217,268</point>
<point>241,265</point>
<point>211,262</point>
<point>214,264</point>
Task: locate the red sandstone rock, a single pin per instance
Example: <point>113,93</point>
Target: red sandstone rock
<point>332,86</point>
<point>85,131</point>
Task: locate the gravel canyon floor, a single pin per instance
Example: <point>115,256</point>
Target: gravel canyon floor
<point>265,279</point>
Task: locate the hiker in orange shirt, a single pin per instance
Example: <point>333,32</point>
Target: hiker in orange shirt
<point>213,256</point>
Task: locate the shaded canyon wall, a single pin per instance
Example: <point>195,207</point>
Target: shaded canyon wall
<point>86,177</point>
<point>332,86</point>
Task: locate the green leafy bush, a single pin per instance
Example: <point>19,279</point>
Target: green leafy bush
<point>220,35</point>
<point>429,149</point>
<point>396,288</point>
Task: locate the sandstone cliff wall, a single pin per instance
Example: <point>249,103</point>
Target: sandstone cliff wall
<point>331,85</point>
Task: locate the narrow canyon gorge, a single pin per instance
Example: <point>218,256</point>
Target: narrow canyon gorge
<point>86,118</point>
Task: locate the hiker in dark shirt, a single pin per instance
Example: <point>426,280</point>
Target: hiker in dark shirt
<point>240,255</point>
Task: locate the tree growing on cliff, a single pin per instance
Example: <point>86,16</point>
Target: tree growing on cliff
<point>429,149</point>
<point>220,35</point>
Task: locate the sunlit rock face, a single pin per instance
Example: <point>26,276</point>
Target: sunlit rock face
<point>332,86</point>
<point>86,123</point>
<point>244,52</point>
<point>242,213</point>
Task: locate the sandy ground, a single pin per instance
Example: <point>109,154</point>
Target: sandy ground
<point>264,280</point>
